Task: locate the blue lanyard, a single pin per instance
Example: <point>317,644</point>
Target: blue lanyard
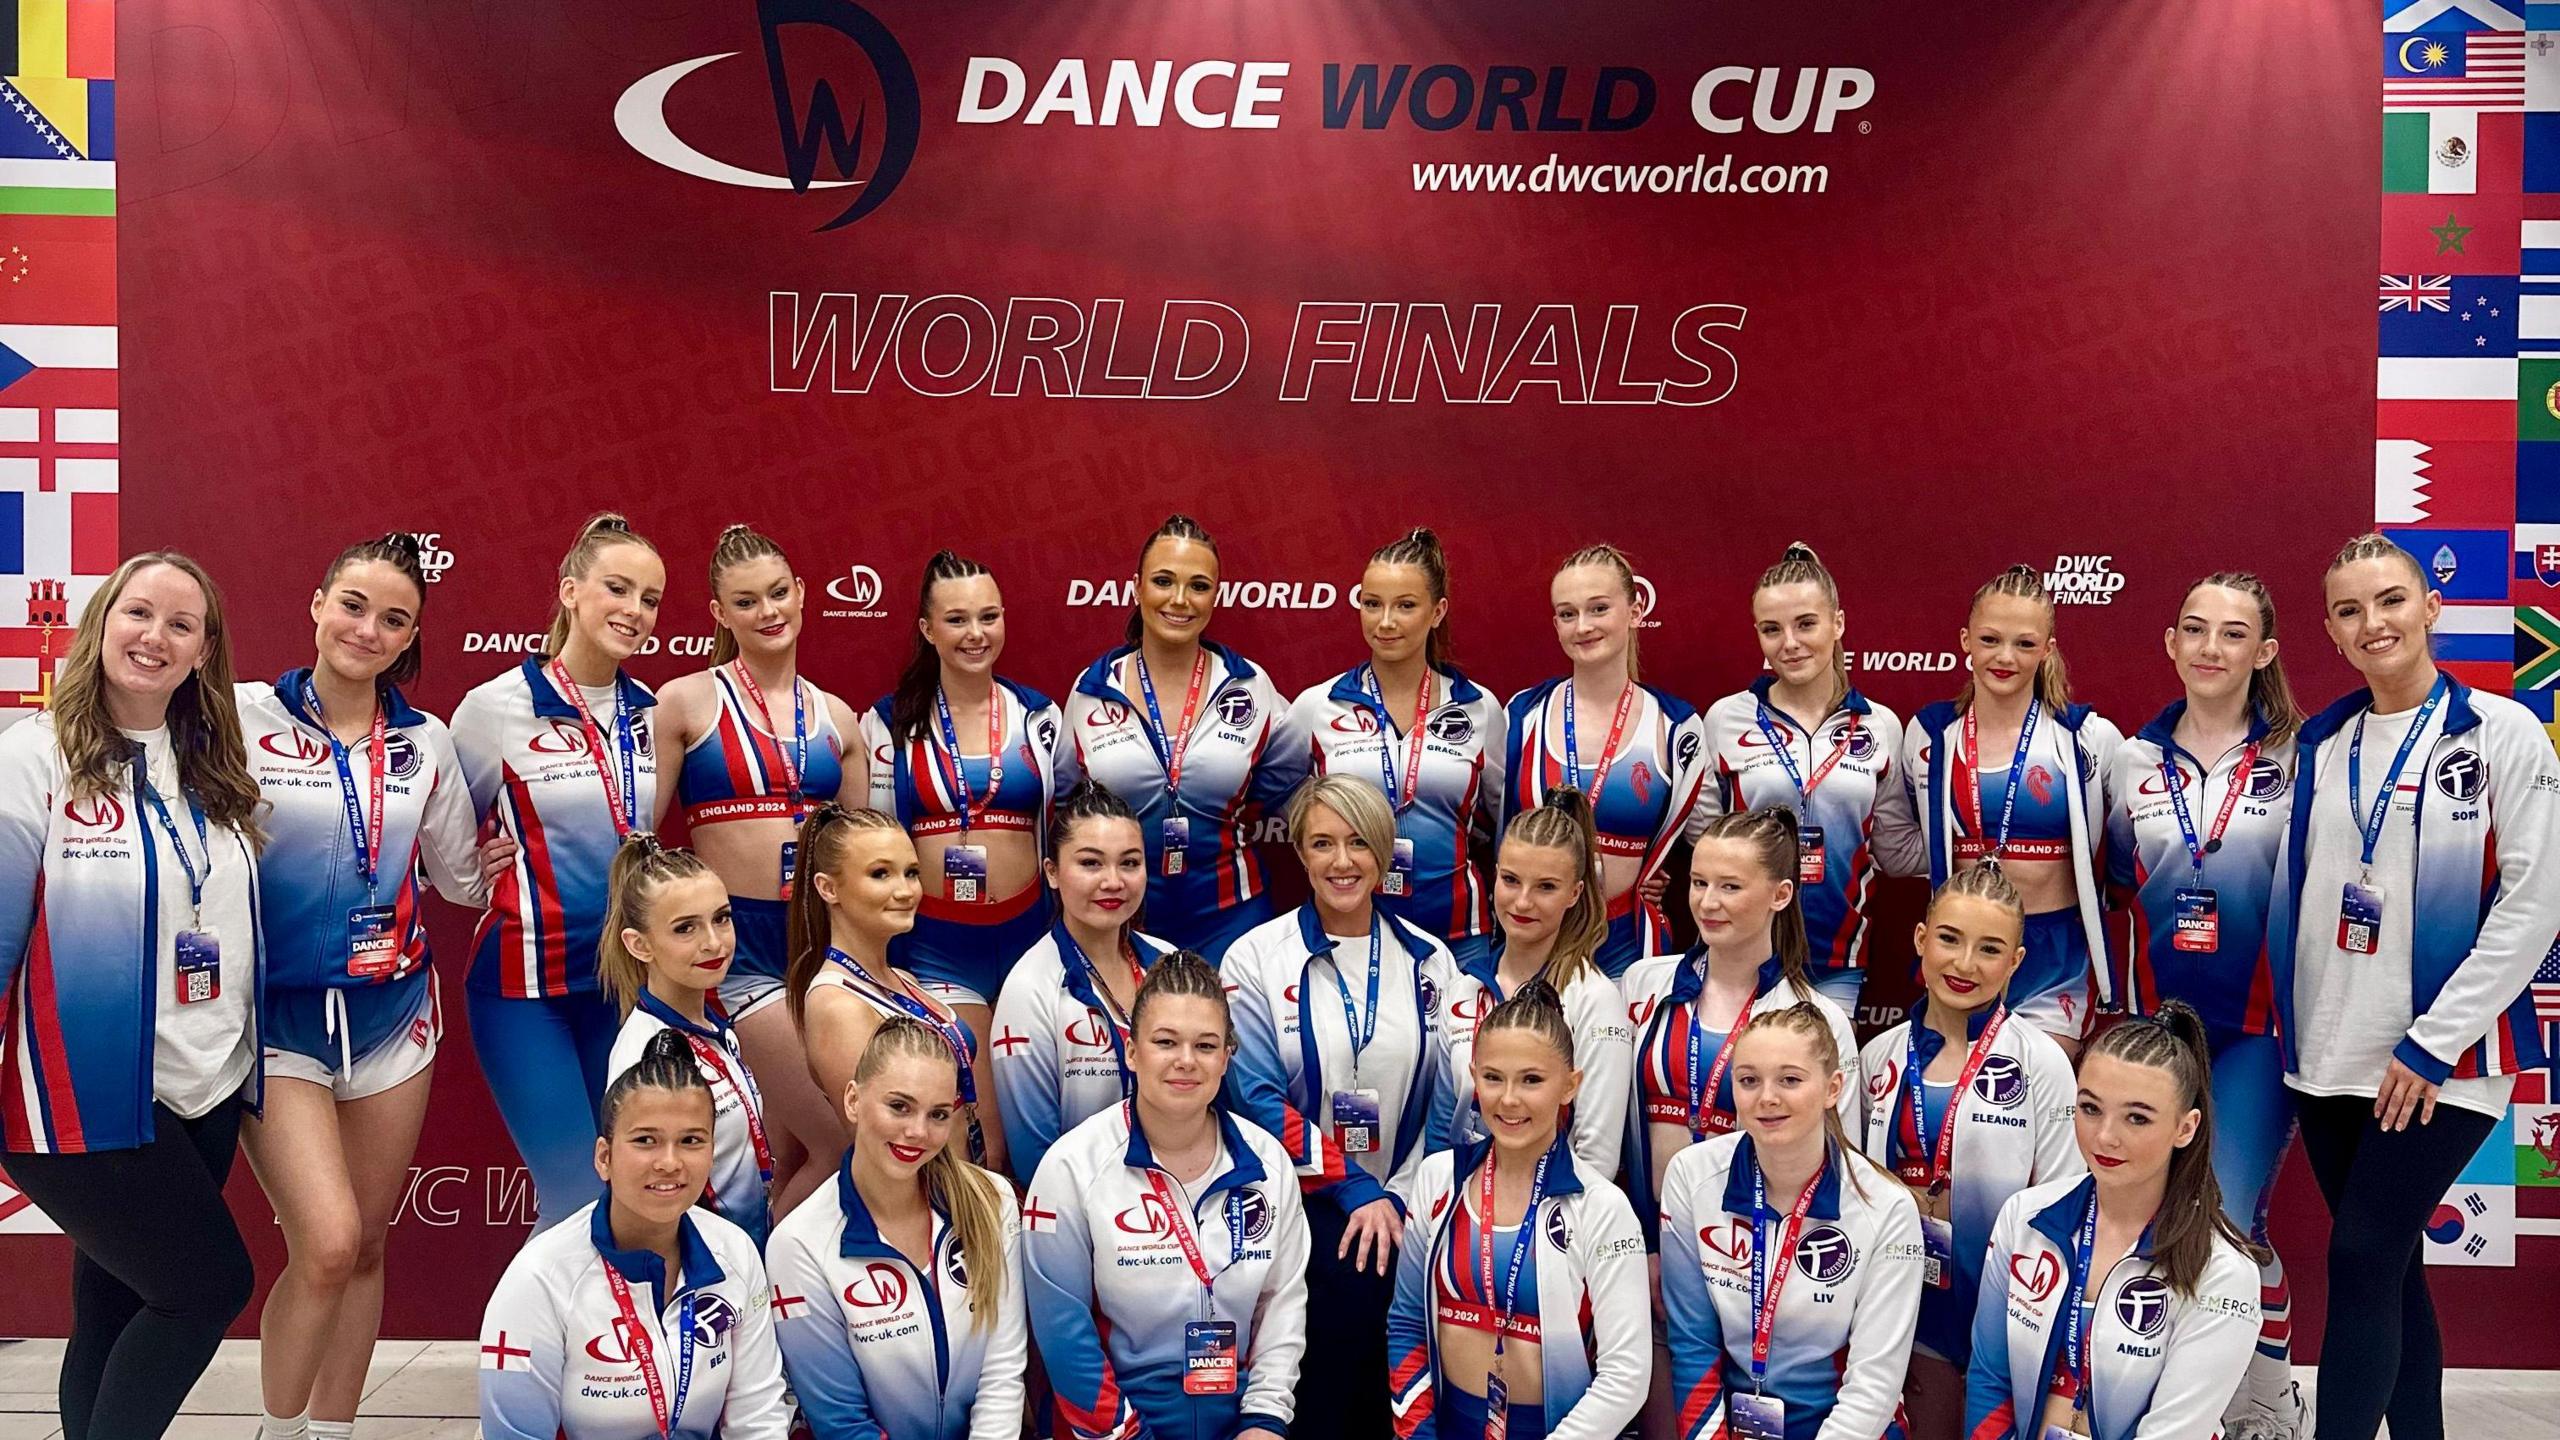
<point>204,839</point>
<point>1102,997</point>
<point>2017,771</point>
<point>1787,754</point>
<point>368,864</point>
<point>953,1035</point>
<point>995,747</point>
<point>2372,820</point>
<point>2200,846</point>
<point>1360,1035</point>
<point>1522,1241</point>
<point>2075,1325</point>
<point>1700,1084</point>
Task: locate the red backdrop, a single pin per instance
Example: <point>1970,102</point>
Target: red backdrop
<point>2084,289</point>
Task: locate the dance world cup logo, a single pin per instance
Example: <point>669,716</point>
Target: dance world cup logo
<point>869,150</point>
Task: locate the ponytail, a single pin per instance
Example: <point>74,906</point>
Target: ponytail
<point>1420,548</point>
<point>2270,694</point>
<point>2190,1215</point>
<point>912,700</point>
<point>1613,559</point>
<point>641,868</point>
<point>977,1216</point>
<point>1176,526</point>
<point>736,546</point>
<point>400,550</point>
<point>1798,565</point>
<point>1563,821</point>
<point>1537,1008</point>
<point>1777,841</point>
<point>2025,582</point>
<point>604,528</point>
<point>819,849</point>
<point>665,1063</point>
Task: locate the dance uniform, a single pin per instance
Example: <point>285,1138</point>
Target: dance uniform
<point>741,1157</point>
<point>1603,1050</point>
<point>1061,1043</point>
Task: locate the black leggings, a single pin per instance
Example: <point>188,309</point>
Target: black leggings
<point>158,1275</point>
<point>1344,1374</point>
<point>2380,1352</point>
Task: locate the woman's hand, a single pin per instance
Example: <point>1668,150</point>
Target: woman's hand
<point>1375,1227</point>
<point>2404,1090</point>
<point>497,857</point>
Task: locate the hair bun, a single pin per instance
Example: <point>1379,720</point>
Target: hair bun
<point>1798,550</point>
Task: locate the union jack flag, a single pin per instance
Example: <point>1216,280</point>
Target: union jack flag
<point>2414,293</point>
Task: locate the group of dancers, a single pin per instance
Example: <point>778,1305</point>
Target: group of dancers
<point>960,1073</point>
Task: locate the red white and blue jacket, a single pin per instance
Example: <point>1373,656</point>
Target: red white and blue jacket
<point>2161,1365</point>
<point>1651,798</point>
<point>1851,1296</point>
<point>1111,1289</point>
<point>2488,821</point>
<point>913,780</point>
<point>1244,753</point>
<point>1059,1056</point>
<point>307,878</point>
<point>737,1191</point>
<point>1285,979</point>
<point>1861,806</point>
<point>2148,863</point>
<point>1595,1345</point>
<point>79,953</point>
<point>1350,730</point>
<point>878,1351</point>
<point>1595,1013</point>
<point>557,1361</point>
<point>533,776</point>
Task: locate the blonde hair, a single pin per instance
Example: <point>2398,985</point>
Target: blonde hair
<point>2373,545</point>
<point>204,723</point>
<point>736,546</point>
<point>1611,558</point>
<point>977,1216</point>
<point>603,529</point>
<point>1982,882</point>
<point>1805,1019</point>
<point>821,843</point>
<point>2025,582</point>
<point>1358,803</point>
<point>1798,565</point>
<point>641,868</point>
<point>1776,838</point>
<point>1563,822</point>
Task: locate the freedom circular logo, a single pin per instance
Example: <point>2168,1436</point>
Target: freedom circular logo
<point>2267,780</point>
<point>713,1318</point>
<point>1235,709</point>
<point>1686,754</point>
<point>2002,1082</point>
<point>1255,1214</point>
<point>2462,775</point>
<point>954,1262</point>
<point>1430,994</point>
<point>1452,725</point>
<point>1558,1230</point>
<point>2142,1306</point>
<point>1049,732</point>
<point>400,758</point>
<point>1861,742</point>
<point>1825,1255</point>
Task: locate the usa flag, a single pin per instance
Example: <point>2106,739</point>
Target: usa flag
<point>2546,997</point>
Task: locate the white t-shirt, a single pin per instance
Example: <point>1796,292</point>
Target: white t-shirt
<point>2353,1009</point>
<point>201,1052</point>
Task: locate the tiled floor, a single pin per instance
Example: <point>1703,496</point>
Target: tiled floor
<point>422,1391</point>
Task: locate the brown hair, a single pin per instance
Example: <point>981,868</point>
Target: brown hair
<point>1610,557</point>
<point>1798,565</point>
<point>400,550</point>
<point>977,1216</point>
<point>736,546</point>
<point>2025,582</point>
<point>641,868</point>
<point>1538,1008</point>
<point>665,1063</point>
<point>912,700</point>
<point>1563,822</point>
<point>1176,526</point>
<point>1420,548</point>
<point>2269,692</point>
<point>1806,1019</point>
<point>204,721</point>
<point>2190,1215</point>
<point>1778,843</point>
<point>1182,973</point>
<point>604,528</point>
<point>821,843</point>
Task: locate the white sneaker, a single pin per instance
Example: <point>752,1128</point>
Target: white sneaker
<point>2256,1419</point>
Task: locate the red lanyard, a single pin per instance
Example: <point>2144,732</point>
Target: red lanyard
<point>1608,748</point>
<point>644,1354</point>
<point>1176,745</point>
<point>1401,792</point>
<point>568,688</point>
<point>1702,1096</point>
<point>1764,1318</point>
<point>755,692</point>
<point>2222,818</point>
<point>1943,1153</point>
<point>709,1054</point>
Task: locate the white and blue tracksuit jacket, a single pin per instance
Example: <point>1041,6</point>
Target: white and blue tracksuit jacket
<point>1455,798</point>
<point>556,1362</point>
<point>79,953</point>
<point>2148,863</point>
<point>1842,1338</point>
<point>1861,806</point>
<point>1603,1050</point>
<point>1059,1056</point>
<point>2013,1130</point>
<point>1111,1290</point>
<point>1285,979</point>
<point>1595,1350</point>
<point>532,774</point>
<point>2488,819</point>
<point>2161,1365</point>
<point>737,1188</point>
<point>876,1349</point>
<point>1245,753</point>
<point>308,881</point>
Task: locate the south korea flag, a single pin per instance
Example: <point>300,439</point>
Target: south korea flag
<point>2474,1225</point>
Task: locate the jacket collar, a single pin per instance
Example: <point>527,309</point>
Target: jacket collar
<point>1311,931</point>
<point>2059,1221</point>
<point>1930,1041</point>
<point>397,713</point>
<point>2164,726</point>
<point>1079,978</point>
<point>1096,679</point>
<point>550,704</point>
<point>1934,717</point>
<point>861,1232</point>
<point>1691,977</point>
<point>701,1270</point>
<point>659,1010</point>
<point>1351,687</point>
<point>1746,1163</point>
<point>1852,702</point>
<point>2458,714</point>
<point>1243,1166</point>
<point>1562,1178</point>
